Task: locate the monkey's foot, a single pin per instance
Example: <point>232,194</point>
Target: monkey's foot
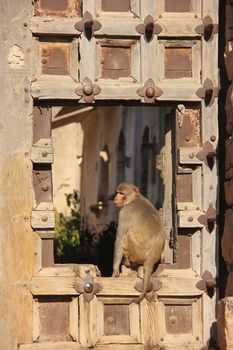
<point>116,274</point>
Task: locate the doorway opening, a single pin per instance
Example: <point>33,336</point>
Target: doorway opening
<point>96,148</point>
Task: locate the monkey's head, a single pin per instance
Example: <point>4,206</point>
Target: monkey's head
<point>126,192</point>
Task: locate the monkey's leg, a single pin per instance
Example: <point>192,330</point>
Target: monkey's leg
<point>118,253</point>
<point>126,261</point>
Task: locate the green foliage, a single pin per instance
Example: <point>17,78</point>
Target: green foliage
<point>67,228</point>
<point>75,243</point>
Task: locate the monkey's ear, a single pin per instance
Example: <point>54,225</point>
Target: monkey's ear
<point>136,191</point>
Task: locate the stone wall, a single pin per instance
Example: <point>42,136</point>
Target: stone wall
<point>225,306</point>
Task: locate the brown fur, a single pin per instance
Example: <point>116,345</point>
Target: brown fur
<point>140,238</point>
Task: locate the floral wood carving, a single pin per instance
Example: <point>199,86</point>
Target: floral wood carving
<point>149,91</point>
<point>149,28</point>
<point>88,90</point>
<point>88,287</point>
<point>153,286</point>
<point>207,154</point>
<point>208,92</point>
<point>88,25</point>
<point>209,218</point>
<point>208,283</point>
<point>207,29</point>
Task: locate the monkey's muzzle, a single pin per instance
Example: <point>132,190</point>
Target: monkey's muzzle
<point>112,196</point>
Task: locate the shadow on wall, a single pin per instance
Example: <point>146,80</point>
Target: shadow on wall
<point>74,242</point>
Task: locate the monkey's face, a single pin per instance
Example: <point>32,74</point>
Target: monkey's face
<point>125,193</point>
<point>119,199</point>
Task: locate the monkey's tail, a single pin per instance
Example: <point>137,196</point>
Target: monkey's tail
<point>147,269</point>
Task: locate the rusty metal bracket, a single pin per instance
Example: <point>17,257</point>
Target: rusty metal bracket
<point>154,285</point>
<point>88,25</point>
<point>149,28</point>
<point>208,92</point>
<point>88,287</point>
<point>209,218</point>
<point>88,90</point>
<point>208,283</point>
<point>207,154</point>
<point>207,29</point>
<point>149,91</point>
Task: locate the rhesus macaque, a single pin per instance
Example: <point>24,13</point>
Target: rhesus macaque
<point>140,238</point>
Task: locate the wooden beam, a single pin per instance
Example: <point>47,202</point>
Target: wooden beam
<point>116,287</point>
<point>76,346</point>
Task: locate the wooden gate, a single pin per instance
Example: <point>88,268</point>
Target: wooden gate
<point>146,52</point>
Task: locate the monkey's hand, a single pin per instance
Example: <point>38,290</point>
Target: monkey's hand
<point>116,273</point>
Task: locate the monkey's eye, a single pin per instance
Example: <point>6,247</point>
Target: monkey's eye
<point>121,193</point>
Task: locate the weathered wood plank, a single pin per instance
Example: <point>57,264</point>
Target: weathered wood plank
<point>42,151</point>
<point>43,216</point>
<point>184,90</point>
<point>118,90</point>
<point>17,240</point>
<point>210,176</point>
<point>74,319</point>
<point>99,319</point>
<point>179,283</point>
<point>67,270</point>
<point>87,54</point>
<point>148,60</point>
<point>188,218</point>
<point>116,339</point>
<point>124,27</point>
<point>65,285</point>
<point>167,170</point>
<point>150,316</point>
<point>37,256</point>
<point>118,287</point>
<point>52,346</point>
<point>134,317</point>
<point>35,321</point>
<point>189,206</point>
<point>188,155</point>
<point>54,87</point>
<point>179,26</point>
<point>88,315</point>
<point>196,252</point>
<point>45,234</point>
<point>73,59</point>
<point>56,26</point>
<point>61,87</point>
<point>53,286</point>
<point>76,346</point>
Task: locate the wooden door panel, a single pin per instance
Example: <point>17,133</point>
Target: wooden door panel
<point>111,317</point>
<point>58,8</point>
<point>144,51</point>
<point>142,55</point>
<point>183,7</point>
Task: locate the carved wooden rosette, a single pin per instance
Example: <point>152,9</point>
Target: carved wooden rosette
<point>149,28</point>
<point>88,90</point>
<point>88,287</point>
<point>88,25</point>
<point>208,283</point>
<point>207,154</point>
<point>149,91</point>
<point>207,29</point>
<point>208,92</point>
<point>209,218</point>
<point>153,286</point>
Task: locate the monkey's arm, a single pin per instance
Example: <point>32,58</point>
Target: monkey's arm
<point>118,251</point>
